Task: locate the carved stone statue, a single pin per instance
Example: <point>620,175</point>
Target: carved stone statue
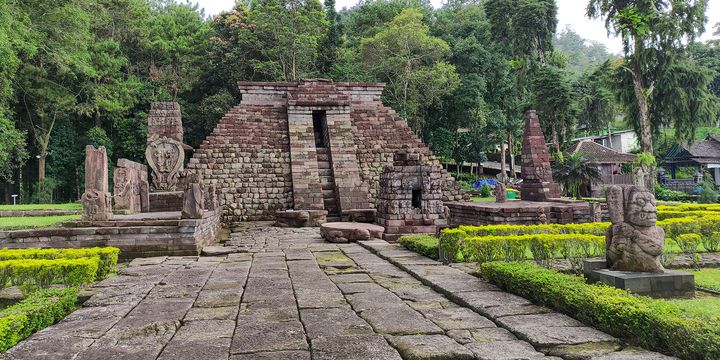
<point>165,156</point>
<point>542,217</point>
<point>500,192</point>
<point>634,242</point>
<point>211,199</point>
<point>96,200</point>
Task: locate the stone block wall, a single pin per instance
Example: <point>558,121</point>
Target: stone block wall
<point>248,155</point>
<point>166,201</point>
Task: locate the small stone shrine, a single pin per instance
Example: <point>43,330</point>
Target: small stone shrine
<point>634,244</point>
<point>538,184</point>
<point>410,197</point>
<point>96,200</point>
<point>130,188</point>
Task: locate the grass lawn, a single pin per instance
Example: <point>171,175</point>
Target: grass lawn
<point>480,198</point>
<point>707,278</point>
<point>34,222</point>
<point>703,305</point>
<point>23,207</point>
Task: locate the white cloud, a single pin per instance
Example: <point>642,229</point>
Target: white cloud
<point>570,12</point>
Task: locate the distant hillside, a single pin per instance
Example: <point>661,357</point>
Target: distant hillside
<point>583,55</point>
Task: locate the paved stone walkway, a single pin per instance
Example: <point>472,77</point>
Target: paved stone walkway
<point>294,296</point>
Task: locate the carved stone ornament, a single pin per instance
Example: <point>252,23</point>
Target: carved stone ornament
<point>193,202</point>
<point>634,242</point>
<point>96,200</point>
<point>165,156</point>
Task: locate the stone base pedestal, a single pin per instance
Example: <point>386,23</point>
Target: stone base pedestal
<point>359,215</point>
<point>670,284</point>
<point>301,218</point>
<point>344,232</point>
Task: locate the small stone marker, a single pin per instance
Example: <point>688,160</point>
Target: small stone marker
<point>193,202</point>
<point>96,200</point>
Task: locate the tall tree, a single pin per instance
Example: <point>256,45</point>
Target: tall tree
<point>290,31</point>
<point>331,41</point>
<point>411,62</point>
<point>553,98</point>
<point>653,33</point>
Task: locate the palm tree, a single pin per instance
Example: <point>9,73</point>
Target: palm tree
<point>574,171</point>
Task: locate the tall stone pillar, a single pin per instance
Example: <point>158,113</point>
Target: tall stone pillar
<point>538,184</point>
<point>96,200</point>
<point>165,152</point>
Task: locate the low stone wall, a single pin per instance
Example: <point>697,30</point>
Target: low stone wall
<point>166,201</point>
<point>20,213</point>
<point>135,237</point>
<point>518,213</point>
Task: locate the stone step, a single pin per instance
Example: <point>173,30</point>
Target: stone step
<point>327,194</point>
<point>323,157</point>
<point>323,164</point>
<point>325,172</point>
<point>321,150</point>
<point>327,185</point>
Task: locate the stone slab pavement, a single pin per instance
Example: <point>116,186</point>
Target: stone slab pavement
<point>290,295</point>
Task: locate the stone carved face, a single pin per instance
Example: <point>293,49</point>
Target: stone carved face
<point>640,209</point>
<point>166,156</point>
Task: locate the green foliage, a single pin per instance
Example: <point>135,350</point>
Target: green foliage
<point>43,191</point>
<point>452,241</point>
<point>712,243</point>
<point>654,324</point>
<point>708,194</point>
<point>583,55</point>
<point>707,278</point>
<point>38,311</point>
<point>410,60</point>
<point>107,257</point>
<point>575,171</point>
<point>31,274</point>
<point>664,194</point>
<point>98,137</point>
<point>34,222</point>
<point>13,148</point>
<point>426,245</point>
<point>485,190</point>
<point>688,244</point>
<point>25,207</point>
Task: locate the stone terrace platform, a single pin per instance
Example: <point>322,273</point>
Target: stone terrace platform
<point>293,296</point>
<point>137,235</point>
<point>518,212</point>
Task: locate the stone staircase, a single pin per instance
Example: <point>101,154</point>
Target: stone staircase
<point>327,182</point>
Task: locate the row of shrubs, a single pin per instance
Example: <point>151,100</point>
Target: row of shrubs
<point>426,245</point>
<point>32,269</point>
<point>654,324</point>
<point>39,310</point>
<point>107,257</point>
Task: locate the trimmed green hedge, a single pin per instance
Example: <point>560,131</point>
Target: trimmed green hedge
<point>39,310</point>
<point>31,274</point>
<point>108,256</point>
<point>423,244</point>
<point>654,324</point>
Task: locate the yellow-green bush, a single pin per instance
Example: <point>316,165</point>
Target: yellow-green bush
<point>654,324</point>
<point>543,247</point>
<point>663,215</point>
<point>40,273</point>
<point>423,244</point>
<point>691,207</point>
<point>598,228</point>
<point>41,309</point>
<point>451,241</point>
<point>107,256</point>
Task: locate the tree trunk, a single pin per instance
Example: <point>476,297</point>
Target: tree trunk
<point>555,139</point>
<point>511,146</point>
<point>503,174</point>
<point>41,167</point>
<point>646,143</point>
<point>609,129</point>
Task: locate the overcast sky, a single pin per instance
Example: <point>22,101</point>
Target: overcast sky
<point>570,12</point>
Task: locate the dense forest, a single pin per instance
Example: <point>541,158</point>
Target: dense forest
<point>77,72</point>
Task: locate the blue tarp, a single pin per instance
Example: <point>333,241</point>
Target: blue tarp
<point>479,184</point>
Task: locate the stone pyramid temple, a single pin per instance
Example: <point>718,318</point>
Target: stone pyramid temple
<point>308,145</point>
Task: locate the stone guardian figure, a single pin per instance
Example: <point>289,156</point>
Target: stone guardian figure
<point>500,192</point>
<point>633,242</point>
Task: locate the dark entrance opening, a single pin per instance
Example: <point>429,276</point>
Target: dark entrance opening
<point>320,128</point>
<point>417,198</point>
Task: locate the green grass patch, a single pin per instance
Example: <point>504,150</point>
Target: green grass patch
<point>707,278</point>
<point>27,207</point>
<point>34,222</point>
<point>655,324</point>
<point>481,198</point>
<point>702,305</point>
